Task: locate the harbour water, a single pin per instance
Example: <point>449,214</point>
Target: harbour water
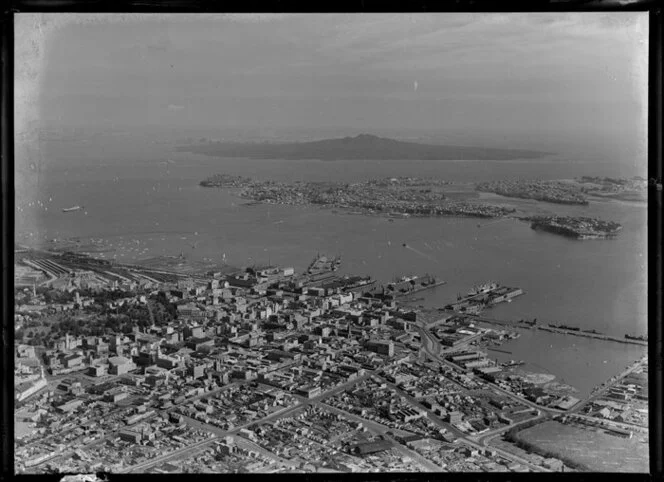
<point>140,205</point>
<point>580,362</point>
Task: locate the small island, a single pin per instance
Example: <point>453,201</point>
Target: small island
<point>576,227</point>
<point>407,196</point>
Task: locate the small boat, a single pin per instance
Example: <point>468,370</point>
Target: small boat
<point>73,208</point>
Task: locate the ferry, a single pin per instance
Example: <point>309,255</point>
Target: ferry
<point>74,208</point>
<point>483,288</point>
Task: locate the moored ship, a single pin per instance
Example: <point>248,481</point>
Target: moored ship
<point>565,327</point>
<point>483,288</point>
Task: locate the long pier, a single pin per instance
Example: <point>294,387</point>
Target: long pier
<point>597,336</point>
<point>560,331</point>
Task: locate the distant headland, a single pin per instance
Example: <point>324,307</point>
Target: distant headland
<point>407,196</point>
<point>570,191</point>
<point>403,197</point>
<point>361,147</point>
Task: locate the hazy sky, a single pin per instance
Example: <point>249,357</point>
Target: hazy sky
<point>564,74</point>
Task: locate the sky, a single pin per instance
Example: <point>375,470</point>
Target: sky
<point>545,75</point>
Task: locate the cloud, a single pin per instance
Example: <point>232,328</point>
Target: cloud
<point>431,40</point>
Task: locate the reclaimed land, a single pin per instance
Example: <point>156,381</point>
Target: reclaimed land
<point>361,147</point>
<point>586,448</point>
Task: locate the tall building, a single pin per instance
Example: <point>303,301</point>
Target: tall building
<point>381,347</point>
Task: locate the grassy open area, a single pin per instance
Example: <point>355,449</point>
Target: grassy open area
<point>595,450</point>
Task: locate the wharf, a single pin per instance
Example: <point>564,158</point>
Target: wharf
<point>490,321</point>
<point>597,336</point>
<point>361,288</point>
<point>323,264</point>
<point>493,296</point>
<point>421,288</point>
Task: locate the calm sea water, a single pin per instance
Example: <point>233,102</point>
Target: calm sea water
<point>146,201</point>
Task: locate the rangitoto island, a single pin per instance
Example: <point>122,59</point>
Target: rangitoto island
<point>391,196</point>
<point>576,227</point>
<point>361,147</point>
